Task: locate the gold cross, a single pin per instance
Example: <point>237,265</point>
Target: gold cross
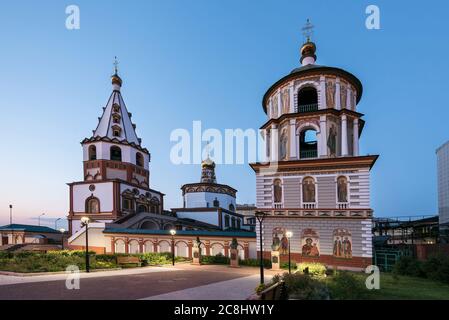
<point>115,64</point>
<point>307,30</point>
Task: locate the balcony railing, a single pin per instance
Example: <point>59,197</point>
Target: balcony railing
<point>305,154</point>
<point>307,107</point>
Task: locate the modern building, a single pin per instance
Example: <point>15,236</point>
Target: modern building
<point>316,184</point>
<point>443,190</point>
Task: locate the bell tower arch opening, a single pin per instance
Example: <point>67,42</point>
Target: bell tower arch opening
<point>307,99</point>
<point>308,144</point>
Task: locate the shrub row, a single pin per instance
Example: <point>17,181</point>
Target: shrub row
<point>435,268</point>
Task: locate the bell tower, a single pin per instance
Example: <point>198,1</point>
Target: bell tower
<point>116,176</point>
<point>316,184</point>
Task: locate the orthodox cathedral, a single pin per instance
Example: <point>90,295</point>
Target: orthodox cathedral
<point>127,216</point>
<point>313,194</point>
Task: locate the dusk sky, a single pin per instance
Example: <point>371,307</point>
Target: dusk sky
<point>212,61</point>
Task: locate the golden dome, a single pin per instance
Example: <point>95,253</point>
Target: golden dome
<point>116,80</point>
<point>207,163</point>
<point>308,49</point>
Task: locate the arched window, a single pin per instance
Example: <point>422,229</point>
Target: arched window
<point>142,208</point>
<point>231,207</point>
<point>92,205</point>
<point>216,203</point>
<point>342,189</point>
<point>308,144</point>
<point>226,221</point>
<point>139,159</point>
<point>92,152</point>
<point>307,100</point>
<point>233,222</point>
<point>116,153</point>
<point>149,225</point>
<point>308,190</point>
<point>277,191</point>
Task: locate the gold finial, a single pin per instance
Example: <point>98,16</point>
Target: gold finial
<point>307,30</point>
<point>116,65</point>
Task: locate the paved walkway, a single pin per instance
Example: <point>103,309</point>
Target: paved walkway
<point>183,281</point>
<point>236,289</point>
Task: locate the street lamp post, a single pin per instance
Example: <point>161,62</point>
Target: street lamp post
<point>85,223</point>
<point>56,223</point>
<point>62,230</point>
<point>173,232</point>
<point>39,219</point>
<point>260,217</point>
<point>10,214</point>
<point>289,235</point>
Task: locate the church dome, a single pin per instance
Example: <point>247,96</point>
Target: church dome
<point>116,80</point>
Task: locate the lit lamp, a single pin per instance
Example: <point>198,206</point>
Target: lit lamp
<point>62,230</point>
<point>85,223</point>
<point>260,216</point>
<point>173,232</point>
<point>289,234</point>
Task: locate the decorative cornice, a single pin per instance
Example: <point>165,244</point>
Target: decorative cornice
<point>318,164</point>
<point>116,141</point>
<point>208,187</point>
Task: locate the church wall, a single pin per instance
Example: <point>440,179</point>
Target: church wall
<point>210,217</point>
<point>103,191</point>
<point>326,189</point>
<point>360,230</point>
<point>124,186</point>
<point>104,153</point>
<point>206,199</point>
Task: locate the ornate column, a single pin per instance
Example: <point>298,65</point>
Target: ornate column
<point>245,250</point>
<point>207,244</point>
<point>141,246</point>
<point>348,99</point>
<point>322,103</point>
<point>274,140</point>
<point>293,140</point>
<point>355,140</point>
<point>337,94</point>
<point>155,242</point>
<point>279,104</point>
<point>292,98</point>
<point>190,245</point>
<point>126,245</point>
<point>344,135</point>
<point>322,142</point>
<point>226,248</point>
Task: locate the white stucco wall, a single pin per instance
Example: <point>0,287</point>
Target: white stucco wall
<point>206,199</point>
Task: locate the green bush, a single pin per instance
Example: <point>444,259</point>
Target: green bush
<point>303,287</point>
<point>218,259</point>
<point>284,265</point>
<point>315,269</point>
<point>345,286</point>
<point>408,266</point>
<point>255,263</point>
<point>436,268</point>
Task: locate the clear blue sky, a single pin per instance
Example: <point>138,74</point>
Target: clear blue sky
<point>212,61</point>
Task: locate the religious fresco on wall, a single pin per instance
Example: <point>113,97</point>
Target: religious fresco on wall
<point>342,244</point>
<point>285,100</point>
<point>342,189</point>
<point>308,190</point>
<point>330,93</point>
<point>275,106</point>
<point>332,140</point>
<point>280,241</point>
<point>277,191</point>
<point>310,243</point>
<point>343,95</point>
<point>283,145</point>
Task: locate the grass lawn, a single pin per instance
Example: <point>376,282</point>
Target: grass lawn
<point>407,288</point>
